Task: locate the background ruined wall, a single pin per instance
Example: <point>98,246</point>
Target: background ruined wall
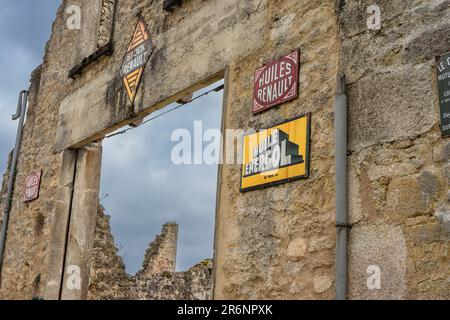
<point>399,178</point>
<point>162,254</point>
<point>108,279</point>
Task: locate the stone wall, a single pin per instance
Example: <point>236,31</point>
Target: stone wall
<point>399,179</point>
<point>272,243</point>
<point>108,279</point>
<point>26,255</point>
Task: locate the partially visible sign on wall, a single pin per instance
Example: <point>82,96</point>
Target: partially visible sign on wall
<point>443,70</point>
<point>32,186</point>
<point>276,155</point>
<point>138,53</point>
<point>276,82</point>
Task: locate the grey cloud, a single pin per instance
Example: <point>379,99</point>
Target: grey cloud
<point>145,189</point>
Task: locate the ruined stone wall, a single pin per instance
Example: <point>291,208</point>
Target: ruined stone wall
<point>194,284</point>
<point>108,279</point>
<point>271,243</point>
<point>161,255</point>
<point>28,246</point>
<point>399,178</point>
<point>106,23</point>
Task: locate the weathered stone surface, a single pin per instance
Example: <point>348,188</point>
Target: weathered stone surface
<point>322,284</point>
<point>162,254</point>
<point>274,243</point>
<point>221,20</point>
<point>106,24</point>
<point>430,186</point>
<point>260,233</point>
<point>108,279</point>
<point>409,34</point>
<point>61,209</point>
<point>446,152</point>
<point>88,32</point>
<point>403,110</point>
<point>405,197</point>
<point>391,69</point>
<point>383,247</point>
<point>322,243</point>
<point>401,169</point>
<point>82,223</point>
<point>443,215</point>
<point>428,261</point>
<point>386,195</point>
<point>88,106</point>
<point>297,249</point>
<point>194,284</point>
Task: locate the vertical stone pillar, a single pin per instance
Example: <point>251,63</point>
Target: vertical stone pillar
<point>82,223</point>
<point>61,215</point>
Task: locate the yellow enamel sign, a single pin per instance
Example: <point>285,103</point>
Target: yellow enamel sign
<point>276,155</point>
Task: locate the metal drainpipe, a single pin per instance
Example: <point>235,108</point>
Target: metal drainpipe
<point>20,113</point>
<point>340,113</point>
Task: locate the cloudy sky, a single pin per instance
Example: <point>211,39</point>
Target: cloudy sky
<point>140,188</point>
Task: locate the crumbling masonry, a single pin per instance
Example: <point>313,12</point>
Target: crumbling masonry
<point>157,280</point>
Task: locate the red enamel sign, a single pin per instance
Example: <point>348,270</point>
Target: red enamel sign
<point>32,186</point>
<point>276,82</point>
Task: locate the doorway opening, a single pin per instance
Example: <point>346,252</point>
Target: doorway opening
<point>156,222</point>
